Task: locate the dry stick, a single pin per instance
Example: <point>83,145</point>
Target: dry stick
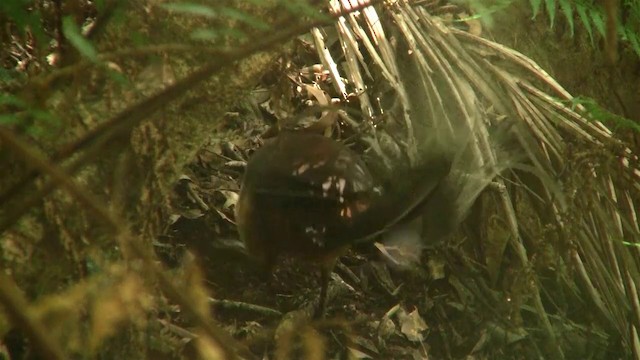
<point>239,305</point>
<point>130,117</point>
<point>34,158</point>
<point>177,330</point>
<point>16,309</point>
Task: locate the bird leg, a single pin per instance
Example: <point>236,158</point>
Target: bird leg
<point>325,275</point>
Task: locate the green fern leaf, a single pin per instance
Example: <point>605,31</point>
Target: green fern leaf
<point>633,9</point>
<point>622,31</point>
<point>551,9</point>
<point>634,40</point>
<point>535,7</point>
<point>582,13</point>
<point>598,21</point>
<point>16,12</point>
<point>597,112</point>
<point>567,10</point>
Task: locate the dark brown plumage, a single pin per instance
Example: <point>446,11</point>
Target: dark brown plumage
<point>308,196</point>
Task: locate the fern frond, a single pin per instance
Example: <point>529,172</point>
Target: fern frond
<point>567,10</point>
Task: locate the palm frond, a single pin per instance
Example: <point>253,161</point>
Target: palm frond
<point>454,89</point>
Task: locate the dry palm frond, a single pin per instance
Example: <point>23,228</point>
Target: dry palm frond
<point>454,89</point>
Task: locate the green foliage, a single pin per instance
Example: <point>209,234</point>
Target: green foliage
<point>589,13</point>
<point>592,17</point>
<point>599,113</point>
<point>10,100</point>
<point>482,11</point>
<point>567,10</point>
<point>7,76</point>
<point>72,33</point>
<point>584,17</point>
<point>36,122</point>
<point>18,11</point>
<point>535,4</point>
<point>550,5</point>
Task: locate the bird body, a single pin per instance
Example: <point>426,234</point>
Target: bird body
<point>298,192</point>
<point>311,197</point>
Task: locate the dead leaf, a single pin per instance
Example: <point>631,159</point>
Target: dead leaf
<point>412,325</point>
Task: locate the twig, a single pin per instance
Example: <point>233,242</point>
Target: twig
<point>239,305</point>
